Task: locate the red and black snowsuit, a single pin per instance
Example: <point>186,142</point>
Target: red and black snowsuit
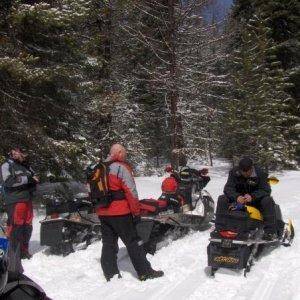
<point>18,187</point>
<point>117,220</point>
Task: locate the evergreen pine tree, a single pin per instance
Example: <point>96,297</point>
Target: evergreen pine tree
<point>255,116</point>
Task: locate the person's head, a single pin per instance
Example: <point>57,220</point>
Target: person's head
<point>169,169</point>
<point>117,153</point>
<point>246,166</point>
<point>18,154</point>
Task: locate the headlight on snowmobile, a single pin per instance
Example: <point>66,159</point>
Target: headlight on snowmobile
<point>273,180</point>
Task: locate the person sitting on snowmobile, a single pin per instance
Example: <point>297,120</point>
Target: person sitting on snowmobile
<point>119,215</point>
<point>248,184</point>
<point>177,189</point>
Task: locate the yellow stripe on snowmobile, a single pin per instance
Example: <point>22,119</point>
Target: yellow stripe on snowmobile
<point>254,213</point>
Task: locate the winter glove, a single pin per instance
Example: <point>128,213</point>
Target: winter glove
<point>237,206</point>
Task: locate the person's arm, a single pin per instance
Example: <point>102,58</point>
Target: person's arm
<point>230,188</point>
<point>129,188</point>
<point>11,180</point>
<point>263,188</point>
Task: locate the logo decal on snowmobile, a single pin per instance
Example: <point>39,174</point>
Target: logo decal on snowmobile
<point>226,259</point>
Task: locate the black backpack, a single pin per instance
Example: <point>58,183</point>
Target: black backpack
<point>97,178</point>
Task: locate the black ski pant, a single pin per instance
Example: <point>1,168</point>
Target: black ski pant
<point>113,227</point>
<point>265,205</point>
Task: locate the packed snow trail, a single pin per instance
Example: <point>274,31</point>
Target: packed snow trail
<point>79,276</point>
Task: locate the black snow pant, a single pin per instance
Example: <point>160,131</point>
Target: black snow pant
<point>265,205</point>
<point>113,227</point>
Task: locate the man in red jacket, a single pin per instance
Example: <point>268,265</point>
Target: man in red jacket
<point>119,220</point>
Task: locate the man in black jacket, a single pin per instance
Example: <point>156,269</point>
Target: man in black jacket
<point>18,182</point>
<point>248,184</point>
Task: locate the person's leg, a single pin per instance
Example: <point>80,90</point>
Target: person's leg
<point>222,208</point>
<point>14,233</point>
<point>222,205</point>
<point>266,206</point>
<point>27,230</point>
<point>127,232</point>
<point>109,249</point>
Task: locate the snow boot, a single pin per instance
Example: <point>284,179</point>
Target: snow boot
<point>108,278</point>
<point>26,255</point>
<point>151,275</point>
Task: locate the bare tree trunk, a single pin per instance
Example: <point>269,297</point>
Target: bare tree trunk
<point>107,40</point>
<point>209,146</point>
<point>177,142</point>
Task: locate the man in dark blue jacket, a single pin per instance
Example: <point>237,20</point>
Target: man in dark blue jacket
<point>18,182</point>
<point>248,184</point>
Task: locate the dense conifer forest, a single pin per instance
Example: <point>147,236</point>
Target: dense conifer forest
<point>171,80</point>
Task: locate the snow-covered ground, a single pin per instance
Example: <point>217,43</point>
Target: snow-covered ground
<point>79,276</point>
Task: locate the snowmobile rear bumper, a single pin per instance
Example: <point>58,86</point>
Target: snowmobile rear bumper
<point>226,254</point>
<point>56,231</point>
<point>63,235</point>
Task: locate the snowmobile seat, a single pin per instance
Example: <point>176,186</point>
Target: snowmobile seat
<point>238,221</point>
<point>152,206</point>
<point>58,206</point>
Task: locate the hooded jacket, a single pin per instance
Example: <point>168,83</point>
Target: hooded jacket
<point>120,177</point>
<point>17,181</point>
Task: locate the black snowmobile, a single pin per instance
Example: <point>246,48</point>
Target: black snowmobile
<point>238,239</point>
<point>184,205</point>
<point>70,223</point>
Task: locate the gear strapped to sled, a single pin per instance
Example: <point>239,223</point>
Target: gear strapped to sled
<point>98,179</point>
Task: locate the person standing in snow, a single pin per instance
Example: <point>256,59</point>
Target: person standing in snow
<point>119,218</point>
<point>18,182</point>
<point>248,184</point>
